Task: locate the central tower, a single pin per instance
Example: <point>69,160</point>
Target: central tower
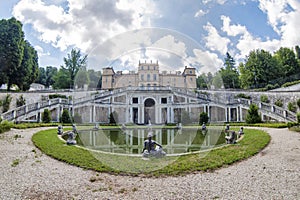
<point>148,74</point>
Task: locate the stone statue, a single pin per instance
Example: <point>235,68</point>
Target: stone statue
<point>71,138</point>
<point>60,130</point>
<point>152,148</point>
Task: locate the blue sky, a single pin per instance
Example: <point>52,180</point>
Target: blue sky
<point>174,32</point>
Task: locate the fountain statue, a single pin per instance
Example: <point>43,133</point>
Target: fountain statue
<point>60,130</point>
<point>71,138</point>
<point>152,148</point>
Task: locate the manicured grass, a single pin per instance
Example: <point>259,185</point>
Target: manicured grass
<point>50,144</point>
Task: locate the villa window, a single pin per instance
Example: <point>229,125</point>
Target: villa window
<point>142,77</point>
<point>135,100</point>
<point>191,72</point>
<point>154,77</point>
<point>163,100</point>
<point>148,67</point>
<point>148,77</point>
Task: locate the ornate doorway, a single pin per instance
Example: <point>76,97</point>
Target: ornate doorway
<point>149,111</point>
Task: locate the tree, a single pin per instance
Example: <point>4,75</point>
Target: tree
<point>95,79</point>
<point>203,118</point>
<point>41,76</point>
<point>73,63</point>
<point>259,70</point>
<point>229,73</point>
<point>11,50</point>
<point>27,73</point>
<point>201,81</point>
<point>62,80</point>
<point>66,117</point>
<point>81,78</point>
<point>253,116</point>
<point>292,106</point>
<point>46,116</point>
<point>217,81</point>
<point>264,98</point>
<point>49,75</point>
<point>288,63</point>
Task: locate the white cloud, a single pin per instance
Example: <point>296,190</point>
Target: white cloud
<point>232,30</point>
<point>208,61</point>
<point>200,13</point>
<point>40,51</point>
<point>214,41</point>
<point>86,23</point>
<point>215,1</point>
<point>284,17</point>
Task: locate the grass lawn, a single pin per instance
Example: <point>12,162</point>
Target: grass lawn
<point>253,141</point>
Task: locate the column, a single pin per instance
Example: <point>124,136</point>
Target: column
<point>226,114</point>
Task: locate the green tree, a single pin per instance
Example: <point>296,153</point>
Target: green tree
<point>73,63</point>
<point>260,69</point>
<point>49,75</point>
<point>27,73</point>
<point>95,79</point>
<point>279,103</point>
<point>203,118</point>
<point>217,81</point>
<point>21,101</point>
<point>62,80</point>
<point>201,81</point>
<point>11,50</point>
<point>288,62</point>
<point>229,73</point>
<point>81,78</point>
<point>253,116</point>
<point>298,117</point>
<point>46,116</point>
<point>41,79</point>
<point>66,117</point>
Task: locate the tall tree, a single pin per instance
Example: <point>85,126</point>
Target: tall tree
<point>288,63</point>
<point>49,75</point>
<point>73,63</point>
<point>260,69</point>
<point>27,73</point>
<point>229,73</point>
<point>11,49</point>
<point>62,79</point>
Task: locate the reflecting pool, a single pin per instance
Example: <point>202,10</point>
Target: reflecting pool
<point>131,141</point>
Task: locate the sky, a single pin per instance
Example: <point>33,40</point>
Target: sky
<point>176,33</point>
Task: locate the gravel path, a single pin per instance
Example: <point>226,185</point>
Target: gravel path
<point>272,174</point>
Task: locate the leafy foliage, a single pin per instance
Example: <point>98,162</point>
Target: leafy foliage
<point>46,116</point>
<point>264,98</point>
<point>203,118</point>
<point>292,106</point>
<point>253,116</point>
<point>279,103</point>
<point>66,117</point>
<point>21,101</point>
<point>6,103</point>
<point>18,59</point>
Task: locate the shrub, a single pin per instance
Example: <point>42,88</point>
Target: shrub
<point>203,118</point>
<point>66,117</point>
<point>113,118</point>
<point>253,116</point>
<point>46,116</point>
<point>6,103</point>
<point>242,95</point>
<point>5,126</point>
<point>292,106</point>
<point>21,101</point>
<point>279,103</point>
<point>54,96</point>
<point>264,98</point>
<point>298,117</point>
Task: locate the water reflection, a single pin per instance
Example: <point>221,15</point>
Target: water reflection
<point>131,141</point>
